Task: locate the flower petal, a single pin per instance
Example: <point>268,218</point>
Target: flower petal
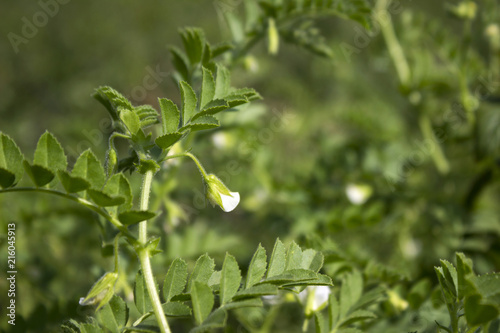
<point>229,202</point>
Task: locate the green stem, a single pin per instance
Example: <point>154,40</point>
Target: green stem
<point>144,257</point>
<point>436,150</point>
<point>81,201</point>
<point>393,46</point>
<point>198,164</point>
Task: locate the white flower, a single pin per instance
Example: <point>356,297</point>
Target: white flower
<point>315,297</point>
<point>219,194</point>
<point>229,202</point>
<point>358,194</point>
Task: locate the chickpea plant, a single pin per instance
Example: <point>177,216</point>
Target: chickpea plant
<point>205,295</point>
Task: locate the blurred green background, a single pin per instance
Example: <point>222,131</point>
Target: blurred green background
<point>323,126</point>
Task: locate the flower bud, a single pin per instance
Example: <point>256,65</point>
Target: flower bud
<point>273,37</point>
<point>219,194</point>
<point>111,161</point>
<point>101,291</point>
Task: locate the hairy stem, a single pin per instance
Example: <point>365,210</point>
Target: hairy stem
<point>144,257</point>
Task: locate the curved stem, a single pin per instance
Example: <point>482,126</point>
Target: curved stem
<point>198,164</point>
<point>81,201</point>
<point>144,257</point>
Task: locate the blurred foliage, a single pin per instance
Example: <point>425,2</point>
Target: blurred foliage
<point>425,145</point>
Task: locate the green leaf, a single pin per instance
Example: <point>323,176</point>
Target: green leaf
<point>118,185</point>
<point>131,120</point>
<point>350,291</point>
<point>167,140</point>
<point>170,115</point>
<point>320,280</point>
<point>291,276</point>
<point>293,257</point>
<point>49,153</point>
<point>105,200</point>
<point>141,296</point>
<point>278,261</point>
<point>235,100</point>
<point>312,259</point>
<point>189,101</point>
<point>464,271</point>
<point>450,274</point>
<point>90,328</point>
<point>202,299</point>
<point>11,162</point>
<point>39,175</point>
<point>152,246</point>
<point>7,178</point>
<point>135,216</point>
<point>488,285</point>
<point>374,295</point>
<point>212,108</point>
<point>194,43</point>
<point>256,291</point>
<point>176,309</point>
<point>72,184</point>
<point>356,316</point>
<point>477,313</point>
<point>203,270</point>
<point>88,167</point>
<point>449,298</point>
<point>175,280</point>
<point>203,123</point>
<point>257,267</point>
<point>214,281</point>
<point>215,320</point>
<point>320,323</point>
<point>246,303</point>
<point>230,279</point>
<point>114,315</point>
<point>180,62</point>
<point>207,88</point>
<point>333,311</point>
<point>222,82</point>
<point>147,115</point>
<point>112,100</point>
<point>221,48</point>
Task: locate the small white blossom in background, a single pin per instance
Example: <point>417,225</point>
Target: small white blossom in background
<point>224,140</point>
<point>358,194</point>
<point>251,64</point>
<point>219,194</point>
<point>314,298</point>
<point>411,248</point>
